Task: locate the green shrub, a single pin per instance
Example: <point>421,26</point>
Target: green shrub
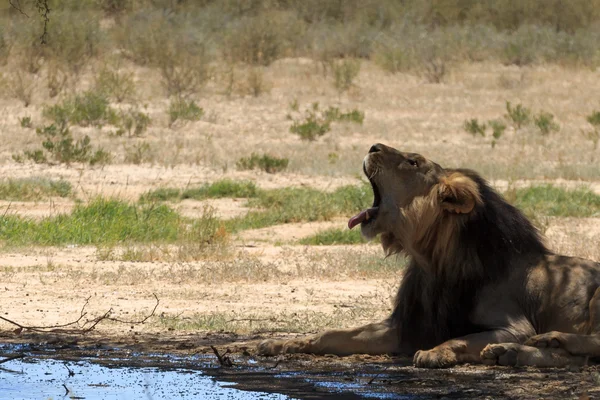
<point>59,144</point>
<point>88,108</point>
<point>344,74</point>
<point>184,74</point>
<point>265,162</point>
<point>334,114</point>
<point>498,128</point>
<point>518,115</point>
<point>473,127</point>
<point>115,85</point>
<point>181,109</point>
<point>138,154</point>
<point>259,39</point>
<point>75,38</point>
<point>545,122</point>
<point>594,118</point>
<point>133,122</point>
<point>313,126</point>
<point>26,122</point>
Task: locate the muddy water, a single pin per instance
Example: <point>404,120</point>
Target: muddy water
<point>101,372</point>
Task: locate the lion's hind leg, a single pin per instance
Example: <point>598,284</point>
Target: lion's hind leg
<point>575,344</point>
<point>375,339</point>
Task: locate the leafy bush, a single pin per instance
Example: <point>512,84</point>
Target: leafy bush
<point>334,114</point>
<point>183,109</point>
<point>545,122</point>
<point>58,142</point>
<point>115,84</point>
<point>88,108</point>
<point>473,127</point>
<point>25,122</point>
<point>76,38</point>
<point>183,74</point>
<point>498,128</point>
<point>265,162</point>
<point>134,122</point>
<point>313,125</point>
<point>594,118</point>
<point>518,115</point>
<point>344,74</point>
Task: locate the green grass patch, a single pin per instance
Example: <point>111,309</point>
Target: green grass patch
<point>334,236</point>
<point>558,202</point>
<point>290,205</point>
<point>36,188</point>
<point>218,189</point>
<point>106,222</point>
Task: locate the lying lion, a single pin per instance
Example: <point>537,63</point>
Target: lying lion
<point>480,286</point>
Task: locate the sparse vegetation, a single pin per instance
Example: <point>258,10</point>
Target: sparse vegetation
<point>106,222</point>
<point>88,108</point>
<point>133,122</point>
<point>474,127</point>
<point>344,74</point>
<point>316,123</point>
<point>545,122</point>
<point>549,200</point>
<point>20,86</point>
<point>33,189</point>
<point>114,84</point>
<point>58,143</point>
<point>498,128</point>
<point>26,122</point>
<point>334,236</point>
<point>181,109</point>
<point>218,189</point>
<point>518,115</point>
<point>594,134</point>
<point>266,162</point>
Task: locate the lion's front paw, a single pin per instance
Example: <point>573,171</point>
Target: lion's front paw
<point>500,354</point>
<point>270,347</point>
<point>438,357</point>
<point>547,340</point>
<point>273,347</point>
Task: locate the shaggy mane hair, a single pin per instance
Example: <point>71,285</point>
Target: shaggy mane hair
<point>453,254</point>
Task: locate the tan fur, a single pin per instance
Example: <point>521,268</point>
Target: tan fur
<point>480,285</point>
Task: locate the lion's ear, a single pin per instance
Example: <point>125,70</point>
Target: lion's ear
<point>458,193</point>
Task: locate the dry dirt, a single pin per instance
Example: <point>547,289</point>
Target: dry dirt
<point>260,287</point>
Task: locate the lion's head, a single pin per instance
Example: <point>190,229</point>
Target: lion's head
<point>426,211</point>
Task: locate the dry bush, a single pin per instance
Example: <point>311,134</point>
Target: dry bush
<point>115,84</point>
<point>19,85</point>
<point>57,79</point>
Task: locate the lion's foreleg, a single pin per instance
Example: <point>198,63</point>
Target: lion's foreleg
<point>377,338</point>
<point>466,349</point>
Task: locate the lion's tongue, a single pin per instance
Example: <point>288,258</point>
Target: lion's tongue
<point>361,217</point>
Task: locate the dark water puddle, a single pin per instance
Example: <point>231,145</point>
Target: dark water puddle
<point>72,372</point>
<point>107,374</point>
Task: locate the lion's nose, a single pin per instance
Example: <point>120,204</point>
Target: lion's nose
<point>375,148</point>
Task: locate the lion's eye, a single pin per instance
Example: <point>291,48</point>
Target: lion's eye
<point>412,162</point>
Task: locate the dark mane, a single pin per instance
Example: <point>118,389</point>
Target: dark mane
<point>493,239</point>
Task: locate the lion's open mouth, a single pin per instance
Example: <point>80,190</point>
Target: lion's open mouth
<point>367,216</point>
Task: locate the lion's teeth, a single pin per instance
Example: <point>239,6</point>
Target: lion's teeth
<point>366,215</point>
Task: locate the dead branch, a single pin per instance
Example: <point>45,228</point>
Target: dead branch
<point>85,327</point>
<point>43,10</point>
<point>224,359</point>
<point>16,357</point>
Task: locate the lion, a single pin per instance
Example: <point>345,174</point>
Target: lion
<point>480,285</point>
